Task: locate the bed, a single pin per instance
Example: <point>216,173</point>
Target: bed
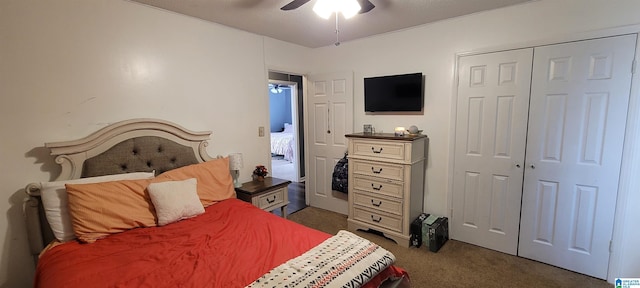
<point>282,143</point>
<point>142,204</point>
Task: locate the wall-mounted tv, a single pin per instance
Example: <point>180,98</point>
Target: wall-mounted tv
<point>395,93</point>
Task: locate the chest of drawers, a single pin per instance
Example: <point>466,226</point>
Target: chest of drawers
<point>386,183</point>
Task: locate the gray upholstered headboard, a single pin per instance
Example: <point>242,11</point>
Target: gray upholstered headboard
<point>138,145</point>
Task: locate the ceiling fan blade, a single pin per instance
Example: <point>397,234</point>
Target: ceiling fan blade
<point>294,4</point>
<point>366,6</point>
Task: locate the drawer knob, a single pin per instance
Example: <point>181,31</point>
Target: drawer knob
<point>376,172</point>
<point>376,152</point>
<point>271,201</point>
<point>376,204</point>
<point>377,220</point>
<point>376,188</point>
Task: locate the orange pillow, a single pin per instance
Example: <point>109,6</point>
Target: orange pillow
<point>214,179</point>
<point>100,209</point>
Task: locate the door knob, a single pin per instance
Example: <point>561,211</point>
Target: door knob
<point>533,166</point>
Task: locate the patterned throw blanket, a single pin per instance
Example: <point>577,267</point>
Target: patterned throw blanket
<point>344,260</point>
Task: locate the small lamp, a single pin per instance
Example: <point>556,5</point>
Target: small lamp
<point>235,164</point>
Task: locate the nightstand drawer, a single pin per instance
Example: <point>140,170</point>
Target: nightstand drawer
<point>378,203</point>
<point>379,149</point>
<point>384,220</point>
<point>378,186</point>
<point>378,169</point>
<point>274,198</point>
<point>267,195</point>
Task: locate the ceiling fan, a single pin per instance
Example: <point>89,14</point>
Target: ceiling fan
<point>365,4</point>
<point>276,88</point>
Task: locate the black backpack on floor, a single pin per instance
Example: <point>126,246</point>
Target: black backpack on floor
<point>340,179</point>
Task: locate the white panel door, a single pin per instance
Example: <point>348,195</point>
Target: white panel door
<point>330,117</point>
<point>579,100</point>
<point>493,102</point>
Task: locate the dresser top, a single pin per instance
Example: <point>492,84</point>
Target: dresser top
<point>269,183</point>
<point>387,136</point>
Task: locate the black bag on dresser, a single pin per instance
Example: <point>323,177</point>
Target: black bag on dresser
<point>340,179</point>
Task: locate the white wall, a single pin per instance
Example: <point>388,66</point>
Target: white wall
<point>431,49</point>
<point>68,68</point>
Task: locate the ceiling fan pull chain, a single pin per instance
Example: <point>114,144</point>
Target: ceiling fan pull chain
<point>337,32</point>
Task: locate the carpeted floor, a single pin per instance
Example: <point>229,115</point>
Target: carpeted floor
<point>283,169</point>
<point>457,264</point>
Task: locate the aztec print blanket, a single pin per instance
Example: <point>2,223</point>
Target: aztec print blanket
<point>344,260</point>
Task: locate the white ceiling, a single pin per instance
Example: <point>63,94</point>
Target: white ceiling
<point>301,26</point>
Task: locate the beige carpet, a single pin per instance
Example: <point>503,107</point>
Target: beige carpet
<point>283,169</point>
<point>457,264</point>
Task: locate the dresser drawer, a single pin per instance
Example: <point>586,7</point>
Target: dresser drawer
<point>379,149</point>
<point>273,198</point>
<point>381,219</point>
<point>378,169</point>
<point>378,203</point>
<point>378,186</point>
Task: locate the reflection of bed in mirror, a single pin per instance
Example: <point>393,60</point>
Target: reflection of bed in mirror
<point>106,222</point>
<point>283,143</point>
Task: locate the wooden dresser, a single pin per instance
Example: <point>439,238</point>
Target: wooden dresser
<point>386,182</point>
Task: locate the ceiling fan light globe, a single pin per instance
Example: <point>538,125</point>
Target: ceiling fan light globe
<point>324,8</point>
<point>349,8</point>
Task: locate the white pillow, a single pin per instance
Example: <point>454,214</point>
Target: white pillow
<point>288,128</point>
<point>175,200</point>
<point>56,203</point>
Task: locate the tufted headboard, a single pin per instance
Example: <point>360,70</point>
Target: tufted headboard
<point>137,145</point>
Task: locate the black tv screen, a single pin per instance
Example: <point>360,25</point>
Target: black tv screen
<point>393,93</point>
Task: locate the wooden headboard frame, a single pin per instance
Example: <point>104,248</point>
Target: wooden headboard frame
<point>71,156</point>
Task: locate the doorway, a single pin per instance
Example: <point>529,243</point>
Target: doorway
<point>287,135</point>
<point>282,128</point>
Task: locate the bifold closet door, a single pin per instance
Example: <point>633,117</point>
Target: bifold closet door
<point>491,121</point>
<point>579,101</point>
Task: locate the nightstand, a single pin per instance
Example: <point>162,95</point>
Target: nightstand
<point>270,194</point>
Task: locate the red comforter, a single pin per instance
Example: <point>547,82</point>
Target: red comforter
<point>232,244</point>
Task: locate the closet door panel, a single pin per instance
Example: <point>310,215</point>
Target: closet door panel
<point>579,100</point>
<point>492,108</point>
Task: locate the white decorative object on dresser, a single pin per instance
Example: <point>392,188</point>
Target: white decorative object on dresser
<point>386,182</point>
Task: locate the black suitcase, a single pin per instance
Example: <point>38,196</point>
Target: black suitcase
<point>438,234</point>
<point>416,230</point>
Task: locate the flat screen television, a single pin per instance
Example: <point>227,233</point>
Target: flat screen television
<point>393,93</point>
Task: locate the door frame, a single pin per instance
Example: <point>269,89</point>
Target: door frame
<point>280,75</point>
<point>294,122</point>
<point>627,203</point>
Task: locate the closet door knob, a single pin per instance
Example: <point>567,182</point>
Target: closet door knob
<point>533,166</point>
